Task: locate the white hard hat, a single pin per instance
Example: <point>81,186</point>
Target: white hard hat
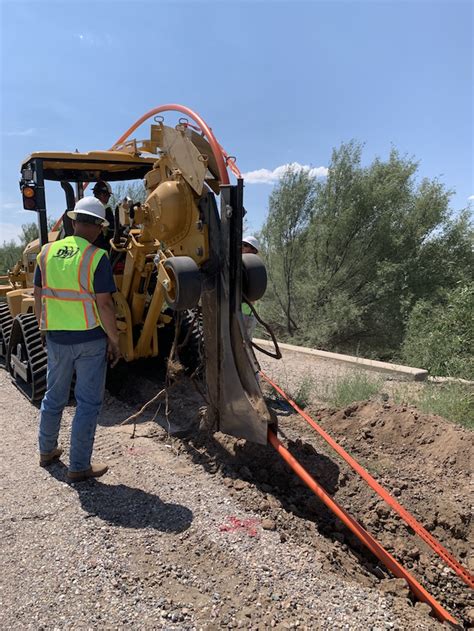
<point>250,240</point>
<point>89,206</point>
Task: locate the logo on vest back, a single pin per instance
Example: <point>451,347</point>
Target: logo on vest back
<point>66,252</point>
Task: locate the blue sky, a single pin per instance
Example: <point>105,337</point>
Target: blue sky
<point>278,82</point>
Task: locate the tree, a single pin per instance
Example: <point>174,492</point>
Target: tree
<point>283,238</point>
<point>350,256</point>
<point>440,336</point>
<point>11,251</point>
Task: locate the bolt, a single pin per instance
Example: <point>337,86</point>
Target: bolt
<point>228,211</point>
<point>165,283</point>
<point>199,251</point>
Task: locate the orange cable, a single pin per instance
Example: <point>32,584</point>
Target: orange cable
<point>434,544</point>
<point>222,159</point>
<point>365,537</point>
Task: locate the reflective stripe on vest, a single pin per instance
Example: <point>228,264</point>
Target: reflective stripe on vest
<point>73,308</point>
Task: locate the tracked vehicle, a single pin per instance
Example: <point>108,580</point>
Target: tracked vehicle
<point>176,250</point>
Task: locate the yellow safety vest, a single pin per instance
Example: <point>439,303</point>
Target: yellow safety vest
<point>67,278</point>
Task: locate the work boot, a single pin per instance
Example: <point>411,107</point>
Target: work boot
<point>96,470</point>
<point>52,456</point>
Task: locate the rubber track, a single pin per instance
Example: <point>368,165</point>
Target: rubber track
<point>6,322</point>
<point>25,329</point>
<point>420,530</point>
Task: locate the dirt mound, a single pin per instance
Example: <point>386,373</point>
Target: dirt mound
<point>423,460</point>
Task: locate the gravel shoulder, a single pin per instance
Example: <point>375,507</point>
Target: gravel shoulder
<point>193,534</point>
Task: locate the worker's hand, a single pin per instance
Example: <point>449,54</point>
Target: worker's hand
<point>113,352</point>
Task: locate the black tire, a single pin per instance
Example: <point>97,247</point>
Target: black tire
<point>254,277</point>
<point>186,283</point>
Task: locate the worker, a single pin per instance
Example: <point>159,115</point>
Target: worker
<point>74,307</point>
<point>250,245</point>
<point>103,192</point>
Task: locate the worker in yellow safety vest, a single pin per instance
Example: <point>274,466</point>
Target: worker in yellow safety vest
<point>250,245</point>
<point>74,307</point>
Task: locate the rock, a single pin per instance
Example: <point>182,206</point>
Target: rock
<point>423,608</point>
<point>240,485</point>
<point>268,524</point>
<point>395,586</point>
<point>469,615</point>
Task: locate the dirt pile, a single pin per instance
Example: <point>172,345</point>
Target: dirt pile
<point>424,461</point>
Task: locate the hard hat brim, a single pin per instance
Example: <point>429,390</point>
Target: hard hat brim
<point>73,213</point>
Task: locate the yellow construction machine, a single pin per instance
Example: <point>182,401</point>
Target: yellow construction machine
<point>173,252</point>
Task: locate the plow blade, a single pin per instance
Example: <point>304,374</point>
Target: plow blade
<point>236,404</point>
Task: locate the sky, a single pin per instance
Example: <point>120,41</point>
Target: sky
<point>279,82</point>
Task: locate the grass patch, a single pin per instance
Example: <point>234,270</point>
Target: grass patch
<point>453,401</point>
<point>303,393</point>
<point>356,387</point>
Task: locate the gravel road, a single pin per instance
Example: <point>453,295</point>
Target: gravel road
<point>177,535</point>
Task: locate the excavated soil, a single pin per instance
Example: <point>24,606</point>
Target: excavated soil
<point>207,531</point>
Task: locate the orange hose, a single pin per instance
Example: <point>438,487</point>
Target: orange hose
<point>222,159</point>
<point>203,126</point>
<point>434,544</point>
<point>365,537</point>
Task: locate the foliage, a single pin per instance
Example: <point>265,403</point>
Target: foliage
<point>283,238</point>
<point>11,251</point>
<point>440,337</point>
<point>304,392</point>
<point>349,257</point>
<point>358,386</point>
<point>134,189</point>
<point>453,401</point>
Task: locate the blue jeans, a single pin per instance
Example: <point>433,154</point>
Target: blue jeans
<point>89,360</point>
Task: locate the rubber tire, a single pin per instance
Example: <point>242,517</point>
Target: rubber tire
<point>186,281</point>
<point>254,277</point>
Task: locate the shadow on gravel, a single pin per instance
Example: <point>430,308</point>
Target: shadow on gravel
<point>262,466</point>
<point>128,507</point>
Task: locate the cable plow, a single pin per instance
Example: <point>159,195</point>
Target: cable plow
<point>234,394</point>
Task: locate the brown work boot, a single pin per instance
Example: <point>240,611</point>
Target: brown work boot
<point>53,456</point>
<point>94,471</point>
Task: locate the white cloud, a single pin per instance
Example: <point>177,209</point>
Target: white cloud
<point>21,132</point>
<point>265,176</point>
<point>103,40</point>
<point>9,231</point>
<point>471,198</point>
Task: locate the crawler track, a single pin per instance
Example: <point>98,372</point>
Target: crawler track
<point>26,357</point>
<point>6,322</point>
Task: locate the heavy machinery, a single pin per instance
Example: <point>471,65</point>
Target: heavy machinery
<point>174,250</point>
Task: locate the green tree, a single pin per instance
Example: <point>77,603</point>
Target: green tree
<point>440,337</point>
<point>283,238</point>
<point>366,244</point>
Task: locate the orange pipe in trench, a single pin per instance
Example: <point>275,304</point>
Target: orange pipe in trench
<point>434,544</point>
<point>365,537</point>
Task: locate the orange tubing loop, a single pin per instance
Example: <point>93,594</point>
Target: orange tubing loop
<point>365,537</point>
<point>434,544</point>
<point>222,159</point>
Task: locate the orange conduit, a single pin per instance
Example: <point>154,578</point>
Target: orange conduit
<point>365,537</point>
<point>434,544</point>
<point>222,159</point>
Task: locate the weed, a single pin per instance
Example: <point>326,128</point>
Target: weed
<point>356,387</point>
<point>453,401</point>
